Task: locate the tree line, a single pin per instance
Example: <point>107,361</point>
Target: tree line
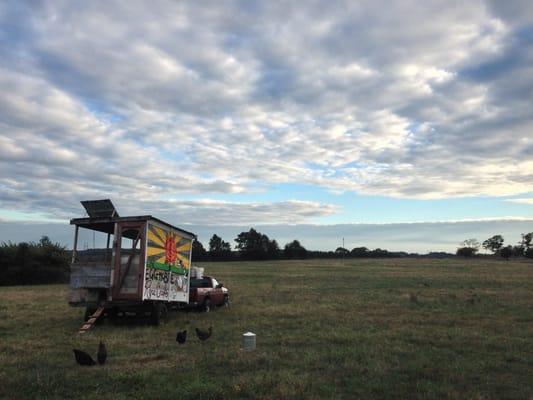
<point>46,262</point>
<point>33,263</point>
<point>495,245</point>
<point>254,245</point>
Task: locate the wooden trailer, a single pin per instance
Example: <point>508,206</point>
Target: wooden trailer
<point>144,267</point>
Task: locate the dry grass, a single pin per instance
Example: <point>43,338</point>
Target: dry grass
<point>365,329</point>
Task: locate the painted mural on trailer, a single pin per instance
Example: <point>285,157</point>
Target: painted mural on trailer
<point>167,265</point>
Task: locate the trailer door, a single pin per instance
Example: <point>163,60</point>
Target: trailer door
<point>129,260</point>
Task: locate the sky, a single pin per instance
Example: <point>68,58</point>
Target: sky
<point>370,120</point>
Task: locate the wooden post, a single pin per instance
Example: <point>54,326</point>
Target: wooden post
<point>107,247</point>
<point>75,244</point>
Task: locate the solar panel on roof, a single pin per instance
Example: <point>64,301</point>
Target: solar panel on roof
<point>99,208</point>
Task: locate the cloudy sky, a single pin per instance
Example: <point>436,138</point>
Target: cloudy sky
<point>269,113</point>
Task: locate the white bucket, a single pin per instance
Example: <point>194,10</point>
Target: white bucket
<point>248,341</point>
<point>197,272</point>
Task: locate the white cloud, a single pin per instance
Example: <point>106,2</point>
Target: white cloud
<point>521,201</point>
<point>182,98</point>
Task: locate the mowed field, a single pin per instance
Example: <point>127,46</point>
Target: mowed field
<point>395,328</point>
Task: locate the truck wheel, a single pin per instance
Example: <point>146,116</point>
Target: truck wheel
<point>207,305</point>
<point>159,311</point>
<point>226,301</point>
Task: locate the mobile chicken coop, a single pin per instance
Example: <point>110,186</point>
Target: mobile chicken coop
<point>143,268</point>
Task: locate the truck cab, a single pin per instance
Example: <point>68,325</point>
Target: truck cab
<point>206,292</point>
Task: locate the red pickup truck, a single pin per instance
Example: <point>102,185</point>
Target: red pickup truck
<point>208,293</point>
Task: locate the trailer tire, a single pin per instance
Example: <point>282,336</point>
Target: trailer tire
<point>159,311</point>
<point>207,304</point>
<point>112,313</point>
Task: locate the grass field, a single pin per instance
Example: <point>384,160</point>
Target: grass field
<point>395,328</point>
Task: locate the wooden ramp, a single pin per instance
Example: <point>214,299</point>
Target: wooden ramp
<point>92,320</point>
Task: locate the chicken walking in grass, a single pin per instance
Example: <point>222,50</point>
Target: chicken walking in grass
<point>204,335</point>
<point>102,353</point>
<point>82,358</point>
<point>413,298</point>
<point>181,337</point>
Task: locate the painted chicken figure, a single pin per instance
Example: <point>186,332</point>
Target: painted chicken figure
<point>170,249</point>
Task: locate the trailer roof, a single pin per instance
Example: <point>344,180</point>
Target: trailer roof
<point>107,224</point>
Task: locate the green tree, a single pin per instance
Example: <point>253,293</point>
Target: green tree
<point>253,245</point>
<point>341,251</point>
<point>506,252</point>
<point>294,250</point>
<point>526,240</point>
<point>199,253</point>
<point>468,248</point>
<point>272,248</point>
<point>219,249</point>
<point>518,251</point>
<point>465,251</point>
<point>359,252</point>
<point>33,263</point>
<point>494,243</point>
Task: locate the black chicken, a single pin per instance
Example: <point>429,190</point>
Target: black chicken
<point>181,337</point>
<point>204,335</point>
<point>102,354</point>
<point>83,358</point>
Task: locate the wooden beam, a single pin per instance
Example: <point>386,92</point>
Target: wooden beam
<point>75,244</point>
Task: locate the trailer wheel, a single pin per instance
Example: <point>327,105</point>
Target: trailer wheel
<point>207,305</point>
<point>112,313</point>
<point>155,315</point>
<point>159,311</point>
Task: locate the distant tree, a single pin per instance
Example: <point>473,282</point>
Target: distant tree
<point>341,251</point>
<point>526,240</point>
<point>518,250</point>
<point>219,249</point>
<point>472,243</point>
<point>253,245</point>
<point>466,251</point>
<point>494,243</point>
<point>359,252</point>
<point>273,250</point>
<point>468,248</point>
<point>199,253</point>
<point>45,241</point>
<point>506,252</point>
<point>380,253</point>
<point>33,263</point>
<point>529,253</point>
<point>294,250</point>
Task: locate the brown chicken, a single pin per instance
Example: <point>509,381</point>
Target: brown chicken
<point>204,335</point>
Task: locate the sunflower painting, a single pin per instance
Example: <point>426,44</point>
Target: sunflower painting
<point>167,265</point>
